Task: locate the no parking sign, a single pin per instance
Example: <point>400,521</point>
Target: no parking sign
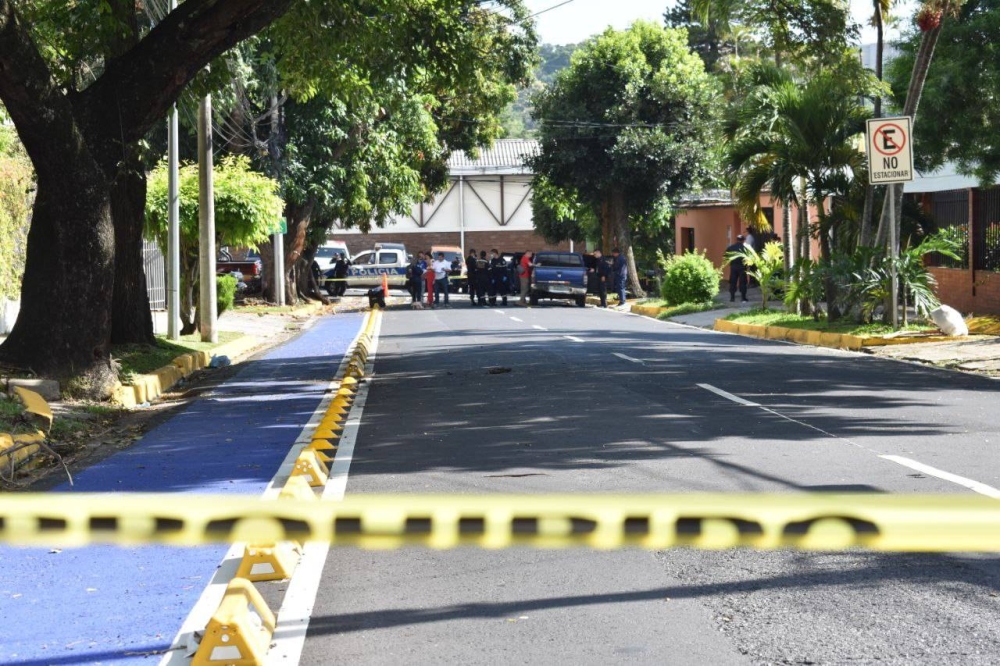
<point>890,150</point>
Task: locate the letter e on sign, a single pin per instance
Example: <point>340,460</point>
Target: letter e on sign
<point>890,150</point>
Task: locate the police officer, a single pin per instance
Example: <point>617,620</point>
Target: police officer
<point>470,275</point>
<point>620,271</point>
<point>499,278</point>
<point>340,275</point>
<point>737,270</point>
<point>602,275</point>
<point>482,277</point>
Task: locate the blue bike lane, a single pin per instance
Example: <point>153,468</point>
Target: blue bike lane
<point>111,605</point>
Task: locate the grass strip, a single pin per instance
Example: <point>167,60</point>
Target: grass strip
<point>141,359</point>
<point>761,317</point>
<point>688,308</point>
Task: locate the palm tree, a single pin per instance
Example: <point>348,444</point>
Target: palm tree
<point>754,113</point>
<point>881,15</point>
<point>929,19</point>
<point>813,137</point>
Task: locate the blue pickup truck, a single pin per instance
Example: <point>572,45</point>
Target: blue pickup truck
<point>559,275</point>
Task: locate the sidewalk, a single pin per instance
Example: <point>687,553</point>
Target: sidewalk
<point>707,319</point>
<point>979,354</point>
<point>104,604</point>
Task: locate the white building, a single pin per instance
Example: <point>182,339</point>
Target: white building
<point>487,205</point>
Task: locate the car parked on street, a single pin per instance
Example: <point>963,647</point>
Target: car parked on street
<point>559,275</point>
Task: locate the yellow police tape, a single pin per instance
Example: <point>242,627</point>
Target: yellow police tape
<point>942,523</point>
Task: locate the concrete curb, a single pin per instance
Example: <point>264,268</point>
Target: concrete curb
<point>819,338</point>
<point>152,385</point>
<point>647,310</point>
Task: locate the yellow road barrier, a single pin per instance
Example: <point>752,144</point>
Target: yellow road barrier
<point>239,634</point>
<point>940,523</point>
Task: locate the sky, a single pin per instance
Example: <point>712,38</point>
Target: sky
<point>580,19</point>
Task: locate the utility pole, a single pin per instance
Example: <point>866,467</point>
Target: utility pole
<point>278,242</point>
<point>173,224</point>
<point>207,306</point>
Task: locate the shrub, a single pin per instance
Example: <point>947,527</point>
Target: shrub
<point>225,292</point>
<point>689,278</point>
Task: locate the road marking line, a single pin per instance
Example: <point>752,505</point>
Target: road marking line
<point>540,328</point>
<point>573,338</point>
<point>500,312</point>
<point>197,619</point>
<point>516,319</point>
<point>629,358</point>
<point>728,396</point>
<point>300,596</point>
<point>975,486</point>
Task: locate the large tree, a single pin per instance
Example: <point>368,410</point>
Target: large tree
<point>962,92</point>
<point>78,129</point>
<point>626,127</point>
<point>361,136</point>
<point>929,20</point>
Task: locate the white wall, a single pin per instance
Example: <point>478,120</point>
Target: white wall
<point>444,214</point>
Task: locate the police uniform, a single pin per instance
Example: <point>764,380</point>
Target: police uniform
<point>482,278</point>
<point>470,276</point>
<point>602,275</point>
<point>498,280</point>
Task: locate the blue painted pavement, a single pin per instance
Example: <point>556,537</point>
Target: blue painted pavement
<point>104,604</point>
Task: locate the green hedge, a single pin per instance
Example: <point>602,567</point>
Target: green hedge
<point>225,292</point>
<point>690,278</point>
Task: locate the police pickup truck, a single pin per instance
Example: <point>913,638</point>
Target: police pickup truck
<point>367,268</point>
<point>559,275</point>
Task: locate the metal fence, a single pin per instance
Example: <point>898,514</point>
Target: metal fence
<point>986,235</point>
<point>951,212</point>
<point>156,275</point>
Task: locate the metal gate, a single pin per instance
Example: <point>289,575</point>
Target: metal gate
<point>156,275</point>
<point>986,234</point>
<point>950,210</point>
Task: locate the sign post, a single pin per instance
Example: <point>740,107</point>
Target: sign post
<point>278,243</point>
<point>890,161</point>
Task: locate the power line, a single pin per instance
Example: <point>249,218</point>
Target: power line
<point>539,13</point>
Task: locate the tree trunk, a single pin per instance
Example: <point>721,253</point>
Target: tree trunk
<point>786,231</point>
<point>826,251</point>
<point>623,234</point>
<point>802,237</point>
<point>131,321</point>
<point>189,298</point>
<point>64,325</point>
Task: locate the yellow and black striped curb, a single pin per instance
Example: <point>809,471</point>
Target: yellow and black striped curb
<point>821,339</point>
<point>944,523</point>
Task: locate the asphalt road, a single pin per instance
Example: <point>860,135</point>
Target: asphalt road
<point>604,402</point>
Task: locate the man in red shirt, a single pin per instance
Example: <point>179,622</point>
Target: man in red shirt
<point>524,274</point>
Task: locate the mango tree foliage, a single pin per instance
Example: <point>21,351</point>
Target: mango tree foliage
<point>627,128</point>
<point>247,209</point>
